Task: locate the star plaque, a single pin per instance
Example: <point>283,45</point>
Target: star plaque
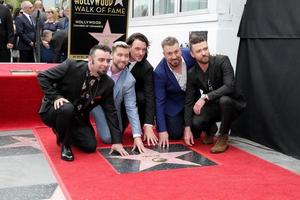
<point>156,158</point>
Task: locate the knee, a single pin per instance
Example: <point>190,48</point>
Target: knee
<point>89,147</point>
<point>175,134</point>
<point>106,139</point>
<point>225,101</point>
<point>67,109</point>
<point>198,122</point>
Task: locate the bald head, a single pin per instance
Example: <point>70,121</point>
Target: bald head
<point>27,7</point>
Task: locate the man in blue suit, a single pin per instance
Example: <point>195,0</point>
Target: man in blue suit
<point>170,78</point>
<point>124,91</point>
<point>26,32</point>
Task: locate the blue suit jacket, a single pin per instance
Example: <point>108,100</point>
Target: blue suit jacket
<point>169,97</point>
<point>124,89</point>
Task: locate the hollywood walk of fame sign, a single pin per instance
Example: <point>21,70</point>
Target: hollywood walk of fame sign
<point>96,22</point>
<point>156,158</point>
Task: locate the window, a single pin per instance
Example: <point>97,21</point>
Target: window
<point>162,7</point>
<point>140,8</point>
<point>189,5</point>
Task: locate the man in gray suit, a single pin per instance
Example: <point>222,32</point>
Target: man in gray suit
<point>124,91</point>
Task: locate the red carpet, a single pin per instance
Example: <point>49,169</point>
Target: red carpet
<point>238,175</point>
<point>20,96</point>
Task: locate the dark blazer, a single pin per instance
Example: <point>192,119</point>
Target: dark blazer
<point>143,74</point>
<point>221,77</point>
<point>59,43</point>
<point>6,27</point>
<point>26,32</point>
<point>66,80</point>
<point>169,97</point>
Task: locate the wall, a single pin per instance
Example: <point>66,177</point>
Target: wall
<point>221,20</point>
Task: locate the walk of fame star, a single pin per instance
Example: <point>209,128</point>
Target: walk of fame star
<point>155,158</point>
<point>119,2</point>
<point>22,142</point>
<point>106,37</point>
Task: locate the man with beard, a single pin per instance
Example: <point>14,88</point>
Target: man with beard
<point>213,76</point>
<point>170,77</point>
<point>142,71</point>
<point>72,89</point>
<point>124,91</point>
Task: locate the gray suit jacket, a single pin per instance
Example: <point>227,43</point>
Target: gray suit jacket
<point>124,90</point>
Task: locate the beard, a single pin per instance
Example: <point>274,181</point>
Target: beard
<point>204,60</point>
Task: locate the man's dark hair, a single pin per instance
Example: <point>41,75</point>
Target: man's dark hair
<point>137,36</point>
<point>102,47</point>
<point>196,40</point>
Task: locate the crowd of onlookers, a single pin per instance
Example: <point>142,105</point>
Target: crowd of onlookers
<point>34,33</point>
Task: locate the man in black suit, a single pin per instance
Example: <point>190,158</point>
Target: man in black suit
<point>6,33</point>
<point>213,77</point>
<point>25,29</point>
<point>142,71</point>
<point>72,89</point>
<point>59,43</point>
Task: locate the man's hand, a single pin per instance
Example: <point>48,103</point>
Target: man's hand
<point>59,102</point>
<point>150,135</point>
<point>188,136</point>
<point>163,139</point>
<point>9,45</point>
<point>138,144</point>
<point>118,148</point>
<point>198,105</point>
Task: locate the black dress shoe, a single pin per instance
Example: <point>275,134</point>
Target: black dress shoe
<point>66,153</point>
<point>57,136</point>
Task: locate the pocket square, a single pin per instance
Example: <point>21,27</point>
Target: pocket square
<point>98,97</point>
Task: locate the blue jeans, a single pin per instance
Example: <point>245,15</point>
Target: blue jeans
<point>101,124</point>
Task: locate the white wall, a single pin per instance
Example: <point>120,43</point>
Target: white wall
<point>221,20</point>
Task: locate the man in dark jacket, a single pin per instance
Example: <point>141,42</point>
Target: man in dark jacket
<point>72,89</point>
<point>6,33</point>
<point>213,78</point>
<point>25,29</point>
<point>142,71</point>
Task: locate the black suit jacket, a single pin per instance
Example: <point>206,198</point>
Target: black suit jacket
<point>6,27</point>
<point>26,32</point>
<point>59,43</point>
<point>143,74</point>
<point>221,78</point>
<point>66,80</point>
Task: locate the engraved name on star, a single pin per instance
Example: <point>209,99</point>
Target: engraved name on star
<point>152,158</point>
<point>119,2</point>
<point>106,37</point>
<point>22,142</point>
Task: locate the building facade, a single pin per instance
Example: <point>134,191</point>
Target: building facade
<point>157,19</point>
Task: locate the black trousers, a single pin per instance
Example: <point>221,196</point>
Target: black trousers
<point>72,128</point>
<point>5,55</point>
<point>26,56</point>
<point>225,110</point>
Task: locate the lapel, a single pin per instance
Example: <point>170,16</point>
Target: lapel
<point>26,20</point>
<point>171,76</point>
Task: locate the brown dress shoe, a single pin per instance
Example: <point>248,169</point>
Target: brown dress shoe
<point>209,138</point>
<point>221,144</point>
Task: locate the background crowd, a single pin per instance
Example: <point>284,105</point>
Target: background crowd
<point>33,33</point>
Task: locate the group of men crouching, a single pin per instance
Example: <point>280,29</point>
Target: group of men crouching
<point>187,93</point>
